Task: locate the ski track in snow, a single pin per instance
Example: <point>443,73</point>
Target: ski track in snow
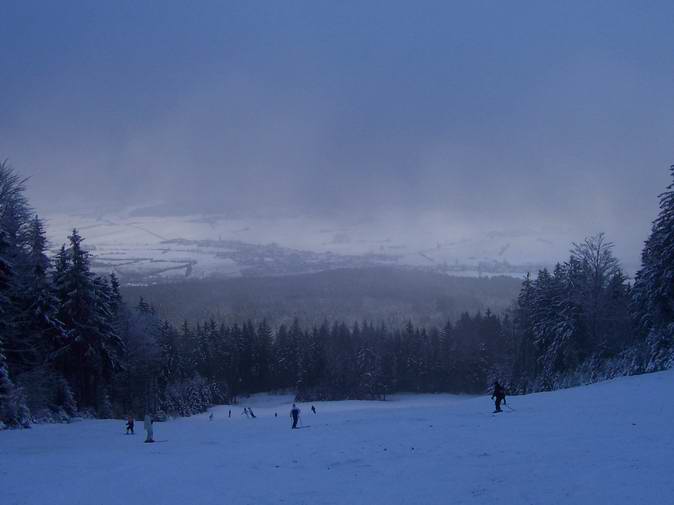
<point>610,443</point>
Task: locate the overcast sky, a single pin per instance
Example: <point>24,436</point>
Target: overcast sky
<point>520,112</point>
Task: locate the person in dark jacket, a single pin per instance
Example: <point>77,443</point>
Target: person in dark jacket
<point>295,415</point>
<point>129,425</point>
<point>313,409</point>
<point>499,395</point>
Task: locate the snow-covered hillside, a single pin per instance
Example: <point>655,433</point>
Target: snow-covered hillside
<point>145,248</point>
<point>610,443</point>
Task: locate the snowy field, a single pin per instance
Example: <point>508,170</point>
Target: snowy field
<point>143,247</point>
<point>610,443</point>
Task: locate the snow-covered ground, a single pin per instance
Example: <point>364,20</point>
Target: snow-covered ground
<point>610,443</point>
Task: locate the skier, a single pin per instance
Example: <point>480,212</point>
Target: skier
<point>295,415</point>
<point>147,423</point>
<point>230,413</point>
<point>499,395</point>
<point>313,409</point>
<point>250,411</point>
<point>210,416</point>
<point>245,412</point>
<point>129,425</point>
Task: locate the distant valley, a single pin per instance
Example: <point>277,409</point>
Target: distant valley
<point>158,249</point>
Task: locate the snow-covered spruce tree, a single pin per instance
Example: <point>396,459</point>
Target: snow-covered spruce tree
<point>93,348</point>
<point>573,317</point>
<point>365,367</point>
<point>38,322</point>
<point>14,216</point>
<point>544,315</point>
<point>6,384</point>
<point>13,210</point>
<point>61,266</point>
<point>525,360</point>
<point>654,283</point>
<point>653,292</point>
<point>110,345</point>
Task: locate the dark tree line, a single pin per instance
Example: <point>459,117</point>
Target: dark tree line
<point>334,360</point>
<point>70,345</point>
<point>584,321</point>
<point>578,315</point>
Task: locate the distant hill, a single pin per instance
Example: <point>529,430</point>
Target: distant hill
<point>162,249</point>
<point>389,295</point>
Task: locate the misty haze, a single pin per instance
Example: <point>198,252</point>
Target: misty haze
<point>336,252</point>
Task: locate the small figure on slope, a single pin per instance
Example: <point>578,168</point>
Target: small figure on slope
<point>245,412</point>
<point>499,395</point>
<point>210,416</point>
<point>147,424</point>
<point>129,425</point>
<point>250,411</point>
<point>295,415</point>
<point>313,409</point>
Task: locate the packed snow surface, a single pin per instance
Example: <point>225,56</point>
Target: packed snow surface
<point>610,443</point>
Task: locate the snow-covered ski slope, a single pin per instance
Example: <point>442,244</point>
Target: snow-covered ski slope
<point>610,443</point>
